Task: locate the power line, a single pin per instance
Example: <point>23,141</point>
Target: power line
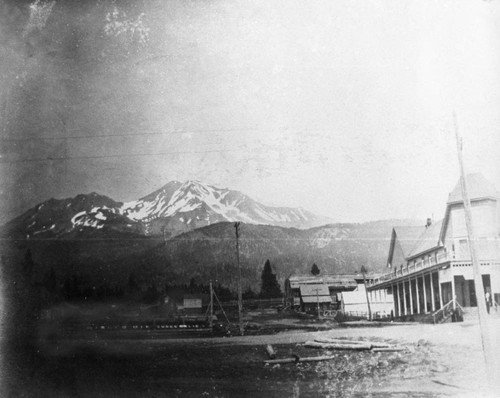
<point>123,155</point>
<point>158,133</point>
<point>114,135</point>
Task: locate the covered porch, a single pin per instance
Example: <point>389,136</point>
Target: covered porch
<point>429,289</point>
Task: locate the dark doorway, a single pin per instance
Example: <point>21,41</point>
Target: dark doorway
<point>446,292</point>
<point>435,288</point>
<point>472,289</point>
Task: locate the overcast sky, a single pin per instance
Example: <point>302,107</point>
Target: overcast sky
<point>341,107</point>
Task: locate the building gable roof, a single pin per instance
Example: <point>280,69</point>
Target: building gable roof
<point>415,240</point>
<point>428,240</point>
<point>406,237</point>
<point>478,187</point>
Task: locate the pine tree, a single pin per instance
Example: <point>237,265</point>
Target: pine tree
<point>315,269</point>
<point>270,287</point>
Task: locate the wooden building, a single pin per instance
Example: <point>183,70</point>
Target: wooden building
<point>431,265</point>
<point>332,292</point>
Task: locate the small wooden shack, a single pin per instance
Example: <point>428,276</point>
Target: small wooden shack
<point>304,291</point>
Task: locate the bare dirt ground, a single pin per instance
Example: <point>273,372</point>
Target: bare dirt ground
<point>439,360</point>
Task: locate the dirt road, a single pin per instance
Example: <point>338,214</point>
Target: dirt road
<point>440,360</point>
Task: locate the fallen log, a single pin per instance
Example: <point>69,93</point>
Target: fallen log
<point>374,344</point>
<point>337,346</point>
<point>388,349</point>
<point>270,351</point>
<point>296,359</point>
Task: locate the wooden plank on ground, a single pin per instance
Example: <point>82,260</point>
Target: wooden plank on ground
<point>337,346</point>
<point>374,344</point>
<point>297,359</point>
<point>388,349</point>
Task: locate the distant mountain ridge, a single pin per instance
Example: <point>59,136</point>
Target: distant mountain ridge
<point>175,208</point>
<point>184,231</point>
<point>103,257</point>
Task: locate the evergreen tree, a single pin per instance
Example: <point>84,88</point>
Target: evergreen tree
<point>315,269</point>
<point>270,287</point>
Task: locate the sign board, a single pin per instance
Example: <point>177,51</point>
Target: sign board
<point>192,303</point>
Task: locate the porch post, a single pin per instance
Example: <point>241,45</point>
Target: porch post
<point>395,299</point>
<point>453,290</point>
<point>433,305</point>
<point>440,294</point>
<point>404,297</point>
<point>425,294</point>
<point>418,296</point>
<point>410,288</point>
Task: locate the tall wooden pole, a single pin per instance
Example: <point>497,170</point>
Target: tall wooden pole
<point>478,282</point>
<point>211,320</point>
<point>240,295</point>
<point>363,270</point>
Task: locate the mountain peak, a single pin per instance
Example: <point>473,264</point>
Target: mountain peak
<point>193,204</point>
<point>174,208</point>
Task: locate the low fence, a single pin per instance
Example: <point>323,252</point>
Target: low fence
<point>181,323</point>
<point>377,315</point>
<point>255,303</point>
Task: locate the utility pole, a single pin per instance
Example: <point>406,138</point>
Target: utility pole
<point>211,320</point>
<point>478,281</point>
<point>363,270</point>
<point>240,296</point>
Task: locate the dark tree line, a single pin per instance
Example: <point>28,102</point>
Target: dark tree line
<point>54,287</point>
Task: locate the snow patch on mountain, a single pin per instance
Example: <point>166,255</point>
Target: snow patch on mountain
<point>95,218</point>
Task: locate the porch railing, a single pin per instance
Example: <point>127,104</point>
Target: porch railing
<point>411,268</point>
<point>452,308</point>
<point>423,264</point>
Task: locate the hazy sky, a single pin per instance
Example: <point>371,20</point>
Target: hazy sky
<point>341,107</point>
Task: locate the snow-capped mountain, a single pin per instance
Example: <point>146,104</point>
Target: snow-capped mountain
<point>194,205</point>
<point>57,217</point>
<point>175,208</point>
